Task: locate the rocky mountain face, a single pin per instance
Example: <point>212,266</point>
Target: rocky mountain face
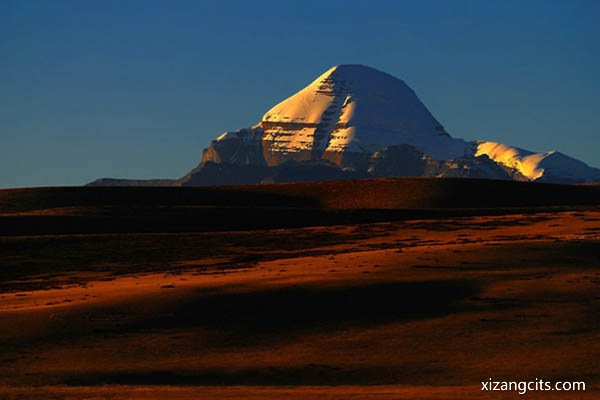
<point>354,121</point>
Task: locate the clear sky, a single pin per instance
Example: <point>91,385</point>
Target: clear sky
<point>136,89</point>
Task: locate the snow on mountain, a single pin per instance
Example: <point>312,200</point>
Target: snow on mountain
<point>353,115</point>
<point>550,166</point>
<point>357,109</point>
<point>526,162</point>
<point>354,121</point>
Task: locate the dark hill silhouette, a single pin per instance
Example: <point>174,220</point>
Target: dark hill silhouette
<point>189,209</point>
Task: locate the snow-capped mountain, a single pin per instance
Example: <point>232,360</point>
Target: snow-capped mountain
<point>354,121</point>
<point>364,122</point>
<point>353,108</point>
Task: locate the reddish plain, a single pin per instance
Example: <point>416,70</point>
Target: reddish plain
<point>423,308</point>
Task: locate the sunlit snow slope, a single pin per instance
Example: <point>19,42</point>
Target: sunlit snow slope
<point>359,109</point>
<point>547,166</point>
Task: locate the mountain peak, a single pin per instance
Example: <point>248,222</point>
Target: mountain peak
<point>366,122</point>
<point>354,108</point>
<point>358,71</point>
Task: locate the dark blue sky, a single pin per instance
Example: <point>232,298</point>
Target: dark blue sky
<point>137,89</point>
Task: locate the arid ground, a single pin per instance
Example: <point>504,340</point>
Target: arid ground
<point>384,303</point>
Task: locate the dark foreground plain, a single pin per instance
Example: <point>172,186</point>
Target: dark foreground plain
<point>385,289</point>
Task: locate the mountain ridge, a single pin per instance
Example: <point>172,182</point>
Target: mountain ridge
<point>354,121</point>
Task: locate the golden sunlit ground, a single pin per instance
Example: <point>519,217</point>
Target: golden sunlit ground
<point>421,309</point>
